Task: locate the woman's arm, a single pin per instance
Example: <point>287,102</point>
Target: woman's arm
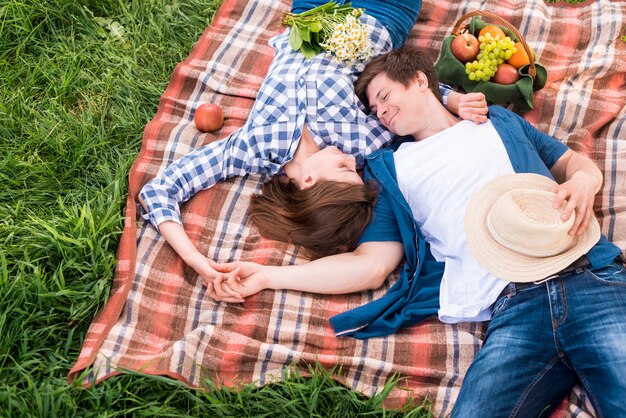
<point>365,268</point>
<point>200,169</point>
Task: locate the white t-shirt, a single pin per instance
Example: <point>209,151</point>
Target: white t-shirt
<point>438,176</point>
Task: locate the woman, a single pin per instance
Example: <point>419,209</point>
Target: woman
<point>306,114</point>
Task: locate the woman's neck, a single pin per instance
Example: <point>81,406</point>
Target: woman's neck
<point>306,147</point>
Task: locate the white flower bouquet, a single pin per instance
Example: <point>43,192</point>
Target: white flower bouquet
<point>333,28</point>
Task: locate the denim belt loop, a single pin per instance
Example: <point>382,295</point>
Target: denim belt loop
<point>512,289</point>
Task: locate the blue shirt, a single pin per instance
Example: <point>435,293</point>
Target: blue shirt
<point>415,295</point>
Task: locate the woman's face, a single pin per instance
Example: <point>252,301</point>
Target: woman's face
<point>331,164</point>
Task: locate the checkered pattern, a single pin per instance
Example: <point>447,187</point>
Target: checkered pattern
<point>318,91</point>
<point>157,319</point>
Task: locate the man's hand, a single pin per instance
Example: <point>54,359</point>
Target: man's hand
<point>579,193</point>
<point>470,106</point>
<point>580,180</point>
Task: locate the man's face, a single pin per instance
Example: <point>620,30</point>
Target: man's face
<point>396,106</point>
<point>331,164</point>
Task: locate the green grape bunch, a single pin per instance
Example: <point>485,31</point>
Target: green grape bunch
<point>493,52</point>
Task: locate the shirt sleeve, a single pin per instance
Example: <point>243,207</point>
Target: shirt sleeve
<point>196,171</point>
<point>384,224</point>
<point>445,90</point>
<point>549,148</point>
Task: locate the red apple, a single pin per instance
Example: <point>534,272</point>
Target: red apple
<point>465,47</point>
<point>506,74</point>
<point>208,117</point>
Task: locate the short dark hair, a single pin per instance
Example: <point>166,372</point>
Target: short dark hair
<point>401,65</point>
<point>326,218</point>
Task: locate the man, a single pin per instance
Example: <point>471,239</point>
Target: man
<point>544,337</point>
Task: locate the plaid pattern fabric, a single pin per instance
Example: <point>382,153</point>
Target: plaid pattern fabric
<point>157,320</point>
<point>318,90</point>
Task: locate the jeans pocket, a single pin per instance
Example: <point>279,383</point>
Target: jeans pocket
<point>613,274</point>
<point>500,305</point>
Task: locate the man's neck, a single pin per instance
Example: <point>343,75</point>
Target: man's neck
<point>440,120</point>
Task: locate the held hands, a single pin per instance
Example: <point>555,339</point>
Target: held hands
<point>210,275</point>
<point>579,193</point>
<point>236,281</point>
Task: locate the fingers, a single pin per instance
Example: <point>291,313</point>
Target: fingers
<point>224,267</point>
<point>233,279</point>
<point>474,100</point>
<point>560,196</point>
<point>222,288</point>
<point>210,290</point>
<point>221,291</point>
<point>585,222</point>
<point>473,106</point>
<point>576,205</point>
<point>476,115</point>
<point>478,119</point>
<point>571,205</point>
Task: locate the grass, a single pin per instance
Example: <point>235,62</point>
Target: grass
<point>78,82</point>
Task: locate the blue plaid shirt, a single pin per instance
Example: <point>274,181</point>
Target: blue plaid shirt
<point>317,91</point>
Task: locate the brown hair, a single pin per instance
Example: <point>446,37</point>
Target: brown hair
<point>401,65</point>
<point>326,218</point>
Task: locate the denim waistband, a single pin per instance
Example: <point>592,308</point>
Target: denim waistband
<point>581,263</point>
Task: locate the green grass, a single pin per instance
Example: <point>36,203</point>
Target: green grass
<point>78,82</point>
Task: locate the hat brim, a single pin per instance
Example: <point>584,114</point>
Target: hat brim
<point>504,263</point>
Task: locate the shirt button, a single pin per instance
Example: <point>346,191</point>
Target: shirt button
<point>301,81</point>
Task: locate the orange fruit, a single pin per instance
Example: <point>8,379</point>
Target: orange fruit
<point>493,30</point>
<point>520,58</point>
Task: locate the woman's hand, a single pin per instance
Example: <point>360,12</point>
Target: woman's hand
<point>470,106</point>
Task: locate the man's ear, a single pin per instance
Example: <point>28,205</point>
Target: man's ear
<point>422,80</point>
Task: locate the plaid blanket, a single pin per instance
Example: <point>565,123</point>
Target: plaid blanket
<point>157,319</point>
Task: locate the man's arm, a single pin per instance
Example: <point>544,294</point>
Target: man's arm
<point>579,180</point>
<point>365,268</point>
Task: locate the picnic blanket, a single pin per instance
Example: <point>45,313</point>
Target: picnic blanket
<point>157,320</point>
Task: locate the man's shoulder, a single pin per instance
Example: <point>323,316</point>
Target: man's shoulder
<point>503,118</point>
<point>501,112</point>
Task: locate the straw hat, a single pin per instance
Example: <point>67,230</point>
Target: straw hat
<point>515,233</point>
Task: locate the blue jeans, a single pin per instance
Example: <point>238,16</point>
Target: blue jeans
<point>546,338</point>
<point>396,15</point>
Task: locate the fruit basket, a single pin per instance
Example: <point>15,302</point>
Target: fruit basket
<point>527,77</point>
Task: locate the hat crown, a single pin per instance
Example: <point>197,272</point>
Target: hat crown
<point>525,221</point>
